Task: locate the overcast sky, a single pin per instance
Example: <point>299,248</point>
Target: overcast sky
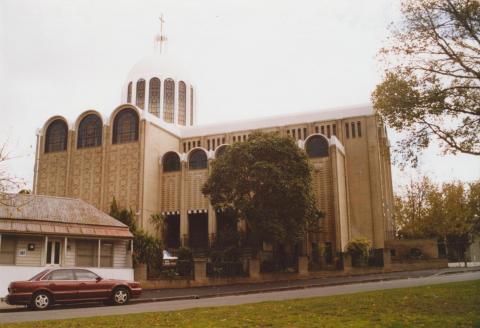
<point>246,58</point>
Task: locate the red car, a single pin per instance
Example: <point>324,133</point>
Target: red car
<point>56,286</point>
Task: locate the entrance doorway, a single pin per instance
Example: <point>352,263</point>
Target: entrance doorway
<point>198,230</point>
<point>54,249</point>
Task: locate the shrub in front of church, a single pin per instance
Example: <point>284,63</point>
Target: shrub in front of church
<point>359,249</point>
<point>147,249</point>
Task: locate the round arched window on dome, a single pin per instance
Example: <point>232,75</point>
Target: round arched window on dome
<point>129,92</point>
<point>171,162</point>
<point>317,146</point>
<point>56,137</point>
<point>140,100</point>
<point>89,132</point>
<point>154,96</point>
<point>198,160</point>
<point>182,103</point>
<point>168,100</point>
<point>125,126</point>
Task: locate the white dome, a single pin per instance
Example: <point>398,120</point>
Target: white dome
<point>159,65</point>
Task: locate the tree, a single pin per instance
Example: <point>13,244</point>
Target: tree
<point>266,181</point>
<point>8,182</point>
<point>450,212</point>
<point>431,87</point>
<point>147,249</point>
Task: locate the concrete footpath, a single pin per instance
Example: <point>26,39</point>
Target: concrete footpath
<point>162,295</point>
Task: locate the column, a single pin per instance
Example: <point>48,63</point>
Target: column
<point>99,252</point>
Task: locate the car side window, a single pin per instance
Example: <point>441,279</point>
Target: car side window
<point>60,275</point>
<point>85,275</point>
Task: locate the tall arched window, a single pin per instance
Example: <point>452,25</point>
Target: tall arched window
<point>220,151</point>
<point>191,106</point>
<point>168,100</point>
<point>317,146</point>
<point>182,103</point>
<point>171,162</point>
<point>125,126</point>
<point>56,137</point>
<point>140,100</point>
<point>197,160</point>
<point>129,93</point>
<point>89,132</point>
<point>154,96</point>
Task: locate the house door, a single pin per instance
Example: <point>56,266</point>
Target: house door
<point>54,249</point>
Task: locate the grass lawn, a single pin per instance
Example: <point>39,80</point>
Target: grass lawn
<point>447,305</point>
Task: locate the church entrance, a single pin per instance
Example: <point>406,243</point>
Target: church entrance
<point>172,238</point>
<point>198,230</point>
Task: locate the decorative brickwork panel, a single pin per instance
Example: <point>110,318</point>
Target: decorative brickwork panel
<point>85,175</point>
<point>171,187</point>
<point>322,184</point>
<point>122,172</point>
<point>195,199</point>
<point>52,173</point>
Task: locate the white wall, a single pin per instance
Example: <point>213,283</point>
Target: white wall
<point>15,273</point>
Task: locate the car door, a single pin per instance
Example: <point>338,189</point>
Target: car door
<point>91,286</point>
<point>62,284</point>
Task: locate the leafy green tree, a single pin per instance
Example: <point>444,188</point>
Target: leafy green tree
<point>266,181</point>
<point>431,87</point>
<point>147,249</point>
<point>450,212</point>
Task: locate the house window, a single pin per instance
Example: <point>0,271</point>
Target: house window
<point>317,146</point>
<point>304,133</point>
<point>359,129</point>
<point>106,254</point>
<point>322,129</point>
<point>140,100</point>
<point>90,132</point>
<point>328,131</point>
<point>316,129</point>
<point>56,137</point>
<point>154,96</point>
<point>353,129</point>
<point>86,253</point>
<point>8,245</point>
<point>347,131</point>
<point>334,129</point>
<point>125,126</point>
<point>191,106</point>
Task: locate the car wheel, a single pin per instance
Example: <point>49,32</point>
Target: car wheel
<point>120,296</point>
<point>41,301</point>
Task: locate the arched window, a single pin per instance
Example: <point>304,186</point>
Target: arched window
<point>56,136</point>
<point>317,146</point>
<point>140,100</point>
<point>168,100</point>
<point>182,103</point>
<point>198,160</point>
<point>125,126</point>
<point>220,151</point>
<point>129,93</point>
<point>171,162</point>
<point>154,96</point>
<point>191,106</point>
<point>89,131</point>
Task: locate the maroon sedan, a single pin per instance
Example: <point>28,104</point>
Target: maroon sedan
<point>56,286</point>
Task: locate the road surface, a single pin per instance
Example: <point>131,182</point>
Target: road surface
<point>67,313</point>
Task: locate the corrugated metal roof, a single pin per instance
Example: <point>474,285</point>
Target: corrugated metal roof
<point>56,215</point>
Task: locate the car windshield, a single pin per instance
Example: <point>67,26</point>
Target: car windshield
<point>38,275</point>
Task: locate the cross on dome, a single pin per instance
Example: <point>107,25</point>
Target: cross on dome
<point>160,38</point>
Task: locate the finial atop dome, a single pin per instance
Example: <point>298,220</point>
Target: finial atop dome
<point>160,38</point>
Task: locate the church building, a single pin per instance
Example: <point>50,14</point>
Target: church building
<point>152,157</point>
